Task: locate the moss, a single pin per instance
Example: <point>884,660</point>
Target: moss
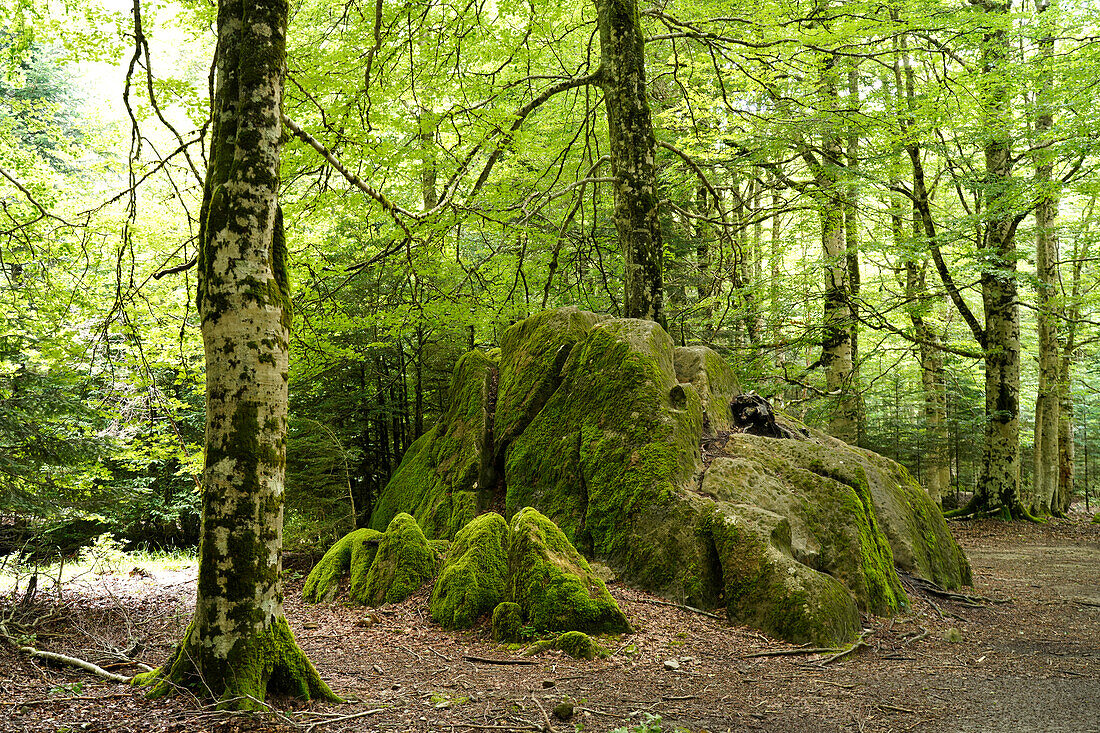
<point>508,623</point>
<point>363,552</point>
<point>1096,518</point>
<point>405,561</point>
<point>472,581</point>
<point>437,479</point>
<point>609,443</point>
<point>344,557</point>
<point>553,584</point>
<point>578,645</point>
<point>268,663</point>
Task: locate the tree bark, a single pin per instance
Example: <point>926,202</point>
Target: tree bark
<point>1048,403</point>
<point>999,483</point>
<point>633,155</point>
<point>238,646</point>
<point>836,337</point>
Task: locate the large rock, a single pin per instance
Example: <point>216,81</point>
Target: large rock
<point>598,423</point>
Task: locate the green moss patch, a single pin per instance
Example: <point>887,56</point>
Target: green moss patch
<point>268,663</point>
<point>404,562</point>
<point>553,584</point>
<point>352,554</point>
<point>508,623</point>
<point>473,579</point>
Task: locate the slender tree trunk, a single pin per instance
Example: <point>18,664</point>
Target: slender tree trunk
<point>851,239</point>
<point>936,473</point>
<point>1048,403</point>
<point>633,155</point>
<point>238,646</point>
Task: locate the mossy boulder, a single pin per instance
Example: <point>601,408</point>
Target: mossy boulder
<point>404,562</point>
<point>508,623</point>
<point>472,581</point>
<point>552,582</point>
<point>352,554</point>
<point>598,422</point>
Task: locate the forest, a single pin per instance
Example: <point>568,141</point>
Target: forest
<point>880,215</point>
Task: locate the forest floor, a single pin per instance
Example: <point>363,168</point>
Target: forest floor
<point>1025,656</point>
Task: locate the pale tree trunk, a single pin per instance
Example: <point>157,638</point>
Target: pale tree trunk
<point>238,646</point>
<point>999,483</point>
<point>1045,481</point>
<point>1080,255</point>
<point>633,154</point>
<point>937,473</point>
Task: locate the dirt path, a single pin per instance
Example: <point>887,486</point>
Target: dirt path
<point>1030,664</point>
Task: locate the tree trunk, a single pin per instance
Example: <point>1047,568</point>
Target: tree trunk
<point>936,474</point>
<point>633,155</point>
<point>999,484</point>
<point>238,646</point>
<point>836,337</point>
<point>1045,479</point>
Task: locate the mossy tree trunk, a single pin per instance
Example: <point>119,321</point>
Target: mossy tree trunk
<point>238,646</point>
<point>633,151</point>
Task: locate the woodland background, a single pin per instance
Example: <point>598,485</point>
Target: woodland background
<point>825,179</point>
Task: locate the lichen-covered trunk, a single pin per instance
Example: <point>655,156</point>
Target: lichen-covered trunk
<point>999,483</point>
<point>238,645</point>
<point>1045,478</point>
<point>633,149</point>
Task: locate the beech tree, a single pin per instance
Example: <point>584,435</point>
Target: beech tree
<point>238,646</point>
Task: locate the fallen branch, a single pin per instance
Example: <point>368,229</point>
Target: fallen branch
<point>483,660</point>
<point>681,606</point>
<point>74,662</point>
<point>549,725</point>
<point>342,718</point>
<point>792,652</point>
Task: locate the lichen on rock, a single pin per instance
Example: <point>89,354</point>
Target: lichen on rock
<point>474,575</point>
<point>552,582</point>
